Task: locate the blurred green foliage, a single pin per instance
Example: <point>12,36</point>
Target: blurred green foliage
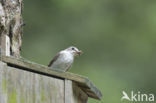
<point>118,38</point>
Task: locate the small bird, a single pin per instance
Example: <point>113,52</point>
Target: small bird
<point>64,59</point>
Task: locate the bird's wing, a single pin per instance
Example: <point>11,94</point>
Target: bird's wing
<point>53,60</point>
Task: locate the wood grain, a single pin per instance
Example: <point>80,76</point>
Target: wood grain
<point>5,45</point>
<point>19,86</point>
<point>83,82</point>
<point>73,94</point>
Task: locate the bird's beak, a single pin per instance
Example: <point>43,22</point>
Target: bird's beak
<point>79,52</point>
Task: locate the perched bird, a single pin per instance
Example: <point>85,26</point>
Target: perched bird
<point>64,59</point>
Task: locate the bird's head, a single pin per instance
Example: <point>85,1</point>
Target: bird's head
<point>75,51</point>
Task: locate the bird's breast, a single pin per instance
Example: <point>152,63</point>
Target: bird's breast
<point>67,57</point>
<point>64,61</point>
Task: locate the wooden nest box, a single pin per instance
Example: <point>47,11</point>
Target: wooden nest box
<point>22,81</point>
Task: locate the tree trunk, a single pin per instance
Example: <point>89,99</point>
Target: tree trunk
<point>11,25</point>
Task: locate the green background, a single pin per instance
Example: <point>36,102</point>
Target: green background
<point>118,38</point>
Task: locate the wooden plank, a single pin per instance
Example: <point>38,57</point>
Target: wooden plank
<point>5,45</point>
<point>19,86</point>
<point>73,94</point>
<point>87,86</point>
<point>68,92</point>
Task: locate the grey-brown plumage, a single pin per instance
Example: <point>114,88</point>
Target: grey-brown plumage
<point>64,59</point>
<point>53,60</point>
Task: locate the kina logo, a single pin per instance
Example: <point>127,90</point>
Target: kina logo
<point>138,96</point>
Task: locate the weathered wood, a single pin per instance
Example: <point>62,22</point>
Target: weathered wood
<point>73,94</point>
<point>19,86</point>
<point>11,24</point>
<point>83,82</point>
<point>5,45</point>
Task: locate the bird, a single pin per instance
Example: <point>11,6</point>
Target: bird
<point>64,59</point>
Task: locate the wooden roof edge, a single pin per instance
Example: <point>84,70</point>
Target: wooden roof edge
<point>84,83</point>
<point>97,93</point>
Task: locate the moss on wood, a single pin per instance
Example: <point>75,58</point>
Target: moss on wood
<point>12,98</point>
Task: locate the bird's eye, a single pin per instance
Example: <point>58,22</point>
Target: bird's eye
<point>73,49</point>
